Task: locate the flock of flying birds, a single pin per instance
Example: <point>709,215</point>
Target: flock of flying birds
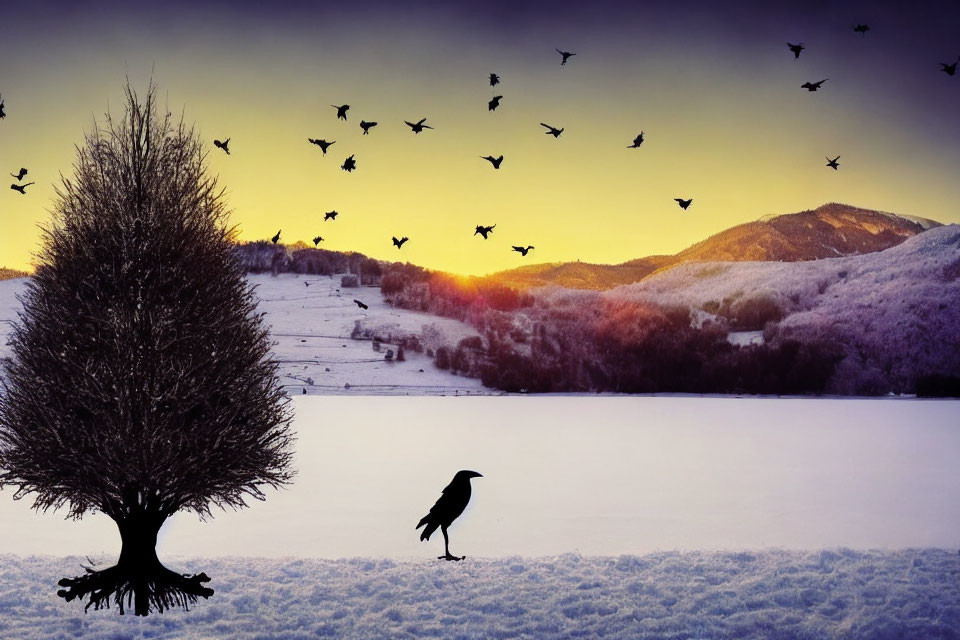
<point>350,163</point>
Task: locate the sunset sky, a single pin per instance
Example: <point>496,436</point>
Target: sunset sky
<point>715,90</point>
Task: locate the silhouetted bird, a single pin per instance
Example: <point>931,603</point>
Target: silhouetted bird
<point>494,103</point>
<point>349,164</point>
<point>494,79</point>
<point>19,176</point>
<point>862,29</point>
<point>223,145</point>
<point>275,239</point>
<point>448,508</point>
<point>833,164</point>
<point>3,114</point>
<point>566,56</point>
<point>494,161</point>
<point>523,250</point>
<point>813,86</point>
<point>637,142</point>
<point>366,126</point>
<point>796,48</point>
<point>341,110</point>
<point>552,131</point>
<point>950,69</point>
<point>22,188</point>
<point>399,243</point>
<point>317,240</point>
<point>419,126</point>
<point>483,230</point>
<point>361,305</point>
<point>330,215</point>
<point>323,144</point>
<point>684,203</point>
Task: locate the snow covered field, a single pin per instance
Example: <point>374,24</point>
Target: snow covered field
<point>765,596</point>
<point>312,327</point>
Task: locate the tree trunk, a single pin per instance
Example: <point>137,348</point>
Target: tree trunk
<point>138,578</point>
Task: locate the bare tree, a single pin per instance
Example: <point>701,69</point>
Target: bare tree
<point>140,382</point>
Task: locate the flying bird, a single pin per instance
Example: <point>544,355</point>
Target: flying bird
<point>275,239</point>
<point>494,79</point>
<point>19,176</point>
<point>22,188</point>
<point>448,508</point>
<point>637,142</point>
<point>366,126</point>
<point>833,164</point>
<point>349,164</point>
<point>361,305</point>
<point>331,215</point>
<point>813,86</point>
<point>399,243</point>
<point>566,56</point>
<point>341,111</point>
<point>494,161</point>
<point>223,145</point>
<point>684,203</point>
<point>482,230</point>
<point>862,29</point>
<point>3,114</point>
<point>523,250</point>
<point>552,131</point>
<point>796,49</point>
<point>494,103</point>
<point>323,144</point>
<point>317,240</point>
<point>419,126</point>
<point>950,69</point>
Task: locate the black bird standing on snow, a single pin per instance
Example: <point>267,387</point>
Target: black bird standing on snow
<point>330,215</point>
<point>341,111</point>
<point>349,164</point>
<point>223,145</point>
<point>551,131</point>
<point>399,243</point>
<point>636,142</point>
<point>275,239</point>
<point>366,126</point>
<point>813,86</point>
<point>323,144</point>
<point>494,103</point>
<point>419,126</point>
<point>684,203</point>
<point>833,164</point>
<point>523,250</point>
<point>482,230</point>
<point>360,304</point>
<point>494,161</point>
<point>448,508</point>
<point>19,176</point>
<point>796,49</point>
<point>950,69</point>
<point>317,241</point>
<point>494,79</point>
<point>22,188</point>
<point>566,56</point>
<point>862,29</point>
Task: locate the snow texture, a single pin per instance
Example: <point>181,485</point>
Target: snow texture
<point>764,595</point>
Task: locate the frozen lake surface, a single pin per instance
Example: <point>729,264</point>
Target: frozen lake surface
<point>595,476</point>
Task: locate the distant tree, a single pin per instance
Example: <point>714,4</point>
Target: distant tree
<point>140,382</point>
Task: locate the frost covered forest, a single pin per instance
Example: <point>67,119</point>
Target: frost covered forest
<point>771,595</point>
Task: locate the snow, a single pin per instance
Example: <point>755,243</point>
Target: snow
<point>745,338</point>
<point>752,595</point>
<point>312,326</point>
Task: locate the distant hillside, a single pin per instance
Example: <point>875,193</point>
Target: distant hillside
<point>10,274</point>
<point>826,232</point>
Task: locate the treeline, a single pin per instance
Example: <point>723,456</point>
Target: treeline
<point>587,342</point>
<point>262,256</point>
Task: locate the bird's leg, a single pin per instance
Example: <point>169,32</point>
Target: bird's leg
<point>446,547</point>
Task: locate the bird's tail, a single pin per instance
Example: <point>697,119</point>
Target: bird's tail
<point>430,528</point>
